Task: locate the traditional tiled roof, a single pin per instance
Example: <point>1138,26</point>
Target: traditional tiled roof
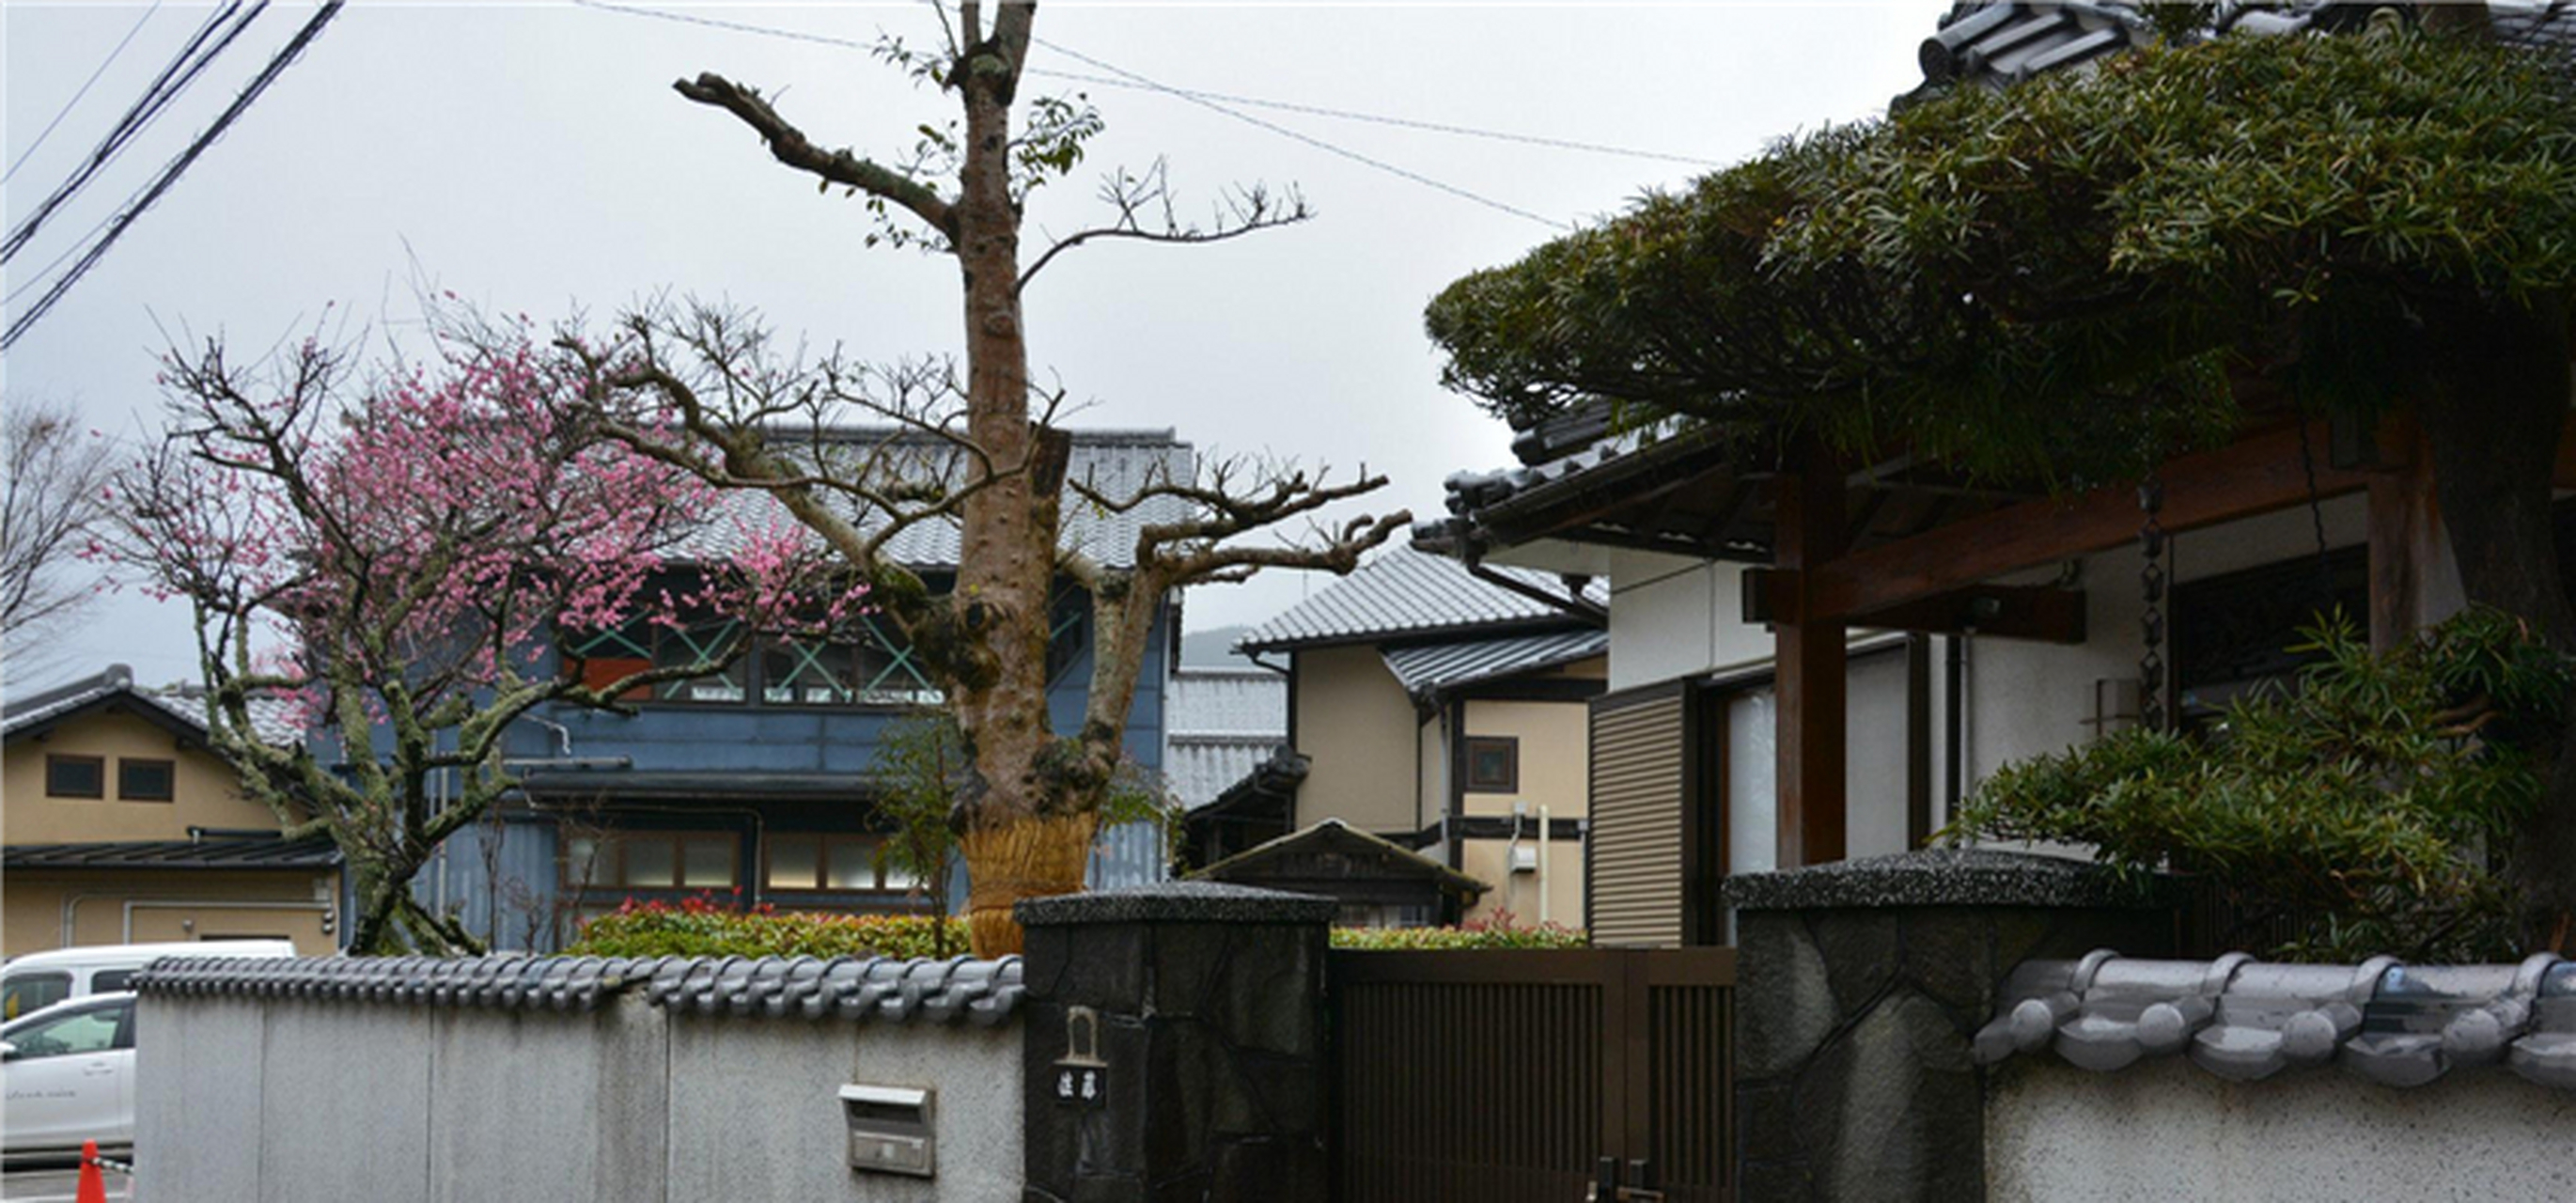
<point>1996,42</point>
<point>961,989</point>
<point>265,851</point>
<point>1429,668</point>
<point>2401,1025</point>
<point>1340,845</point>
<point>1115,463</point>
<point>1224,722</point>
<point>1405,592</point>
<point>115,683</point>
<point>274,720</point>
<point>1227,701</point>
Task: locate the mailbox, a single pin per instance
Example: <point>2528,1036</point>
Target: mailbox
<point>890,1130</point>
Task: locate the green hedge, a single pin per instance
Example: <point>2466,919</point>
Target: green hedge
<point>702,927</point>
<point>1472,937</point>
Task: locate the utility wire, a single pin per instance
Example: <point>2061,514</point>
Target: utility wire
<point>170,174</point>
<point>1316,110</point>
<point>86,85</point>
<point>1317,143</point>
<point>173,80</point>
<point>1217,102</point>
<point>1312,110</point>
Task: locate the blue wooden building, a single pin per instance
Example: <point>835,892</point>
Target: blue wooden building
<point>756,783</point>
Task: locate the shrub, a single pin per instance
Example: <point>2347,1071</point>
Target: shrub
<point>2373,800</point>
<point>1499,930</point>
<point>702,926</point>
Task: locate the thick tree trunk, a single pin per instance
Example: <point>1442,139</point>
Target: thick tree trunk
<point>1027,819</point>
<point>2493,419</point>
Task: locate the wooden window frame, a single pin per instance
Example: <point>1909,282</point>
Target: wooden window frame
<point>823,841</point>
<point>169,767</point>
<point>1511,781</point>
<point>96,763</point>
<point>608,864</point>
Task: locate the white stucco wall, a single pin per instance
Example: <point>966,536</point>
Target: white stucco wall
<point>1673,617</point>
<point>297,1101</point>
<point>2165,1130</point>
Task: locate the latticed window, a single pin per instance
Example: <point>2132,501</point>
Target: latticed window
<point>871,665</point>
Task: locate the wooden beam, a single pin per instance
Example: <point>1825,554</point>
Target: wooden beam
<point>1808,658</point>
<point>2413,581</point>
<point>2254,476</point>
<point>2043,613</point>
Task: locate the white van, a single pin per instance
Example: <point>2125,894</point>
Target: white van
<point>41,979</point>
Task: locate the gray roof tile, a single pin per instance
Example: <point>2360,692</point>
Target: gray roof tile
<point>2244,1020</point>
<point>1116,463</point>
<point>1428,668</point>
<point>961,989</point>
<point>1407,592</point>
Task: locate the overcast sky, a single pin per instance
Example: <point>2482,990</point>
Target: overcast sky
<point>533,157</point>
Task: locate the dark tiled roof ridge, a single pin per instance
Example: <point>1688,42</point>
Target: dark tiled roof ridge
<point>958,989</point>
<point>2245,1020</point>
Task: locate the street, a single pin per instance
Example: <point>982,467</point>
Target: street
<point>55,1185</point>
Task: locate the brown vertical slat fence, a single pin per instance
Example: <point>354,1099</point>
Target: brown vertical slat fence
<point>1506,1076</point>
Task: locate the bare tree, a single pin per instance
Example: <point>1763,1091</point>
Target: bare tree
<point>51,504</point>
<point>984,453</point>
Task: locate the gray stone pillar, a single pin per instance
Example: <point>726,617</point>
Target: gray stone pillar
<point>1175,1044</point>
<point>1860,986</point>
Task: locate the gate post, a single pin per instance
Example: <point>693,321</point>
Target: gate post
<point>1175,1044</point>
<point>1860,986</point>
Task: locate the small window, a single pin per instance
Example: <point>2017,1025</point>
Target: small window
<point>109,981</point>
<point>27,993</point>
<point>145,780</point>
<point>653,860</point>
<point>75,776</point>
<point>93,1030</point>
<point>806,861</point>
<point>1493,764</point>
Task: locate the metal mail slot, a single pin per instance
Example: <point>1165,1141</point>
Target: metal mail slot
<point>890,1130</point>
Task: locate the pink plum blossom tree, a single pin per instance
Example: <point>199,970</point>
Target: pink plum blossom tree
<point>396,556</point>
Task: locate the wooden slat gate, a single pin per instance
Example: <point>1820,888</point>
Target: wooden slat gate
<point>1492,1077</point>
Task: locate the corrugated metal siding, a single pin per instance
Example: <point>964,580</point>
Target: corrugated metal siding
<point>1636,839</point>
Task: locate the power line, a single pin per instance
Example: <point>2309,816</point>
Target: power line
<point>1217,102</point>
<point>170,174</point>
<point>86,85</point>
<point>1291,106</point>
<point>174,79</point>
<point>1317,143</point>
<point>1435,127</point>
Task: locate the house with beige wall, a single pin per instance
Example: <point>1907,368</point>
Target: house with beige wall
<point>118,825</point>
<point>1442,711</point>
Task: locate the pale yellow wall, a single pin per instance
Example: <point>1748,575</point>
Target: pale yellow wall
<point>1354,720</point>
<point>1554,756</point>
<point>32,904</point>
<point>205,793</point>
<point>1489,861</point>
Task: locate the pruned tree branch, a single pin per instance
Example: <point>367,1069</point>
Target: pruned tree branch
<point>789,145</point>
<point>1145,211</point>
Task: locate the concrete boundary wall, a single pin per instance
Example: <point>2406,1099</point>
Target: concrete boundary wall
<point>328,1099</point>
<point>2165,1130</point>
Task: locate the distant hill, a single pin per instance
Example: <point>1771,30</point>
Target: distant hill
<point>1210,648</point>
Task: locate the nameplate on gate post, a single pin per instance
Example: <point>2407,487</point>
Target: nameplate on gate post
<point>1081,1077</point>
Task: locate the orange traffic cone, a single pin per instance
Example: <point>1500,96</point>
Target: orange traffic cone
<point>93,1184</point>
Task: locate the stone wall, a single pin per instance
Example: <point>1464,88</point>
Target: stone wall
<point>1861,987</point>
<point>645,1082</point>
<point>1197,1010</point>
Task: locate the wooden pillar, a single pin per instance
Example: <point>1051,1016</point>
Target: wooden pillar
<point>1809,660</point>
<point>2413,582</point>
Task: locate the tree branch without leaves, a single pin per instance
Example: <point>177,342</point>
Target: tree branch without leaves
<point>789,145</point>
